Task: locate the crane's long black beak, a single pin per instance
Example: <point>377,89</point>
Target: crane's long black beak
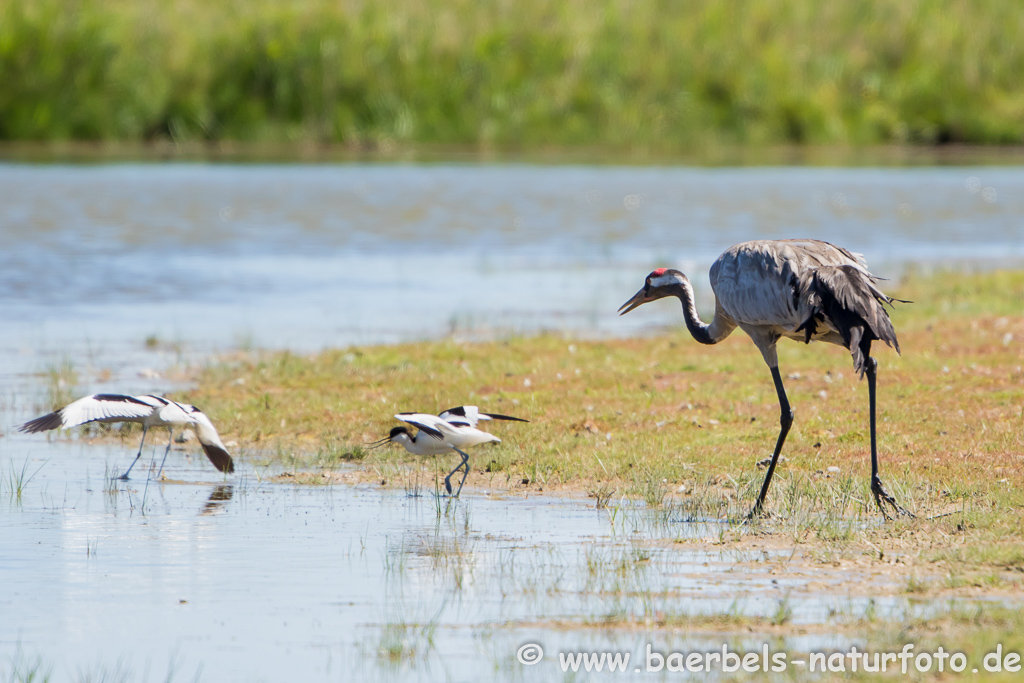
<point>638,299</point>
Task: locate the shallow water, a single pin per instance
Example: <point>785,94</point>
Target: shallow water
<point>246,578</point>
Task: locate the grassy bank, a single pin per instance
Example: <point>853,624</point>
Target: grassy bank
<point>538,73</point>
<point>671,422</point>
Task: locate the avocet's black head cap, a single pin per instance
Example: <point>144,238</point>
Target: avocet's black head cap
<point>396,431</point>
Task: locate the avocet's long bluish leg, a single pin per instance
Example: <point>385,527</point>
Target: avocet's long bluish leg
<point>465,473</point>
<point>170,440</point>
<point>137,455</point>
<point>465,461</point>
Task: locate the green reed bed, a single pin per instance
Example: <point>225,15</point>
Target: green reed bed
<point>498,73</point>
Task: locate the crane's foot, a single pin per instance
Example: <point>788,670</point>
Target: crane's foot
<point>752,517</point>
<point>883,498</point>
<point>757,512</point>
<point>123,477</point>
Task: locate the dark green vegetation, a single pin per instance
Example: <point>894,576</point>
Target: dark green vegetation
<point>508,74</point>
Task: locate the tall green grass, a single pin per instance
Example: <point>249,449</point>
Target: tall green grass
<point>513,73</point>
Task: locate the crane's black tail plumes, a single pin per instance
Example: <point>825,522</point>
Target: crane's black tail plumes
<point>847,297</point>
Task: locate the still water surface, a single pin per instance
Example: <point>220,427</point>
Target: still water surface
<point>311,256</point>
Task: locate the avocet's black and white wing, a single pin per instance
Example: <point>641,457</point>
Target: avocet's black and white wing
<point>209,439</point>
<point>150,411</point>
<point>431,425</point>
<point>470,416</point>
<point>184,414</point>
<point>94,408</point>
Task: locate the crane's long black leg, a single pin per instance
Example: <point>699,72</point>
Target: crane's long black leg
<point>785,422</point>
<point>447,480</point>
<point>137,455</point>
<point>882,497</point>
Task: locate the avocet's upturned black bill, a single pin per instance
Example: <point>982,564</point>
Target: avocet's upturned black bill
<point>449,432</point>
<point>149,411</point>
<point>805,290</point>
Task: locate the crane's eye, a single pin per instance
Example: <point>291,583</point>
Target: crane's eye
<point>647,287</point>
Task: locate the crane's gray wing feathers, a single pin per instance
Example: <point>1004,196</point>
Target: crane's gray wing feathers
<point>846,298</point>
<point>757,283</point>
<point>818,253</point>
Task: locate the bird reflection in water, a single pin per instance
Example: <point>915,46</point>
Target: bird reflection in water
<point>218,497</point>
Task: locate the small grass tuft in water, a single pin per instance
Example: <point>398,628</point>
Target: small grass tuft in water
<point>17,479</point>
<point>916,585</point>
<point>22,669</point>
<point>602,494</point>
<point>395,558</point>
<point>61,384</point>
<point>648,486</point>
<point>19,668</point>
<point>783,613</point>
<point>405,641</point>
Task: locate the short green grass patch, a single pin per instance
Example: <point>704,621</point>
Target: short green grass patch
<point>679,426</point>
